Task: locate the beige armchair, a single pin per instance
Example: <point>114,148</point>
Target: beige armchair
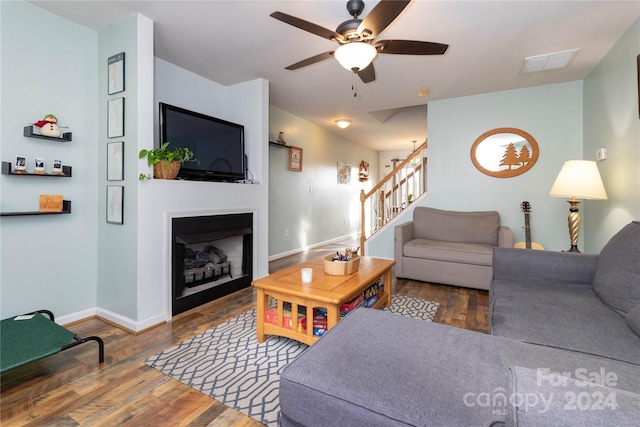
<point>454,248</point>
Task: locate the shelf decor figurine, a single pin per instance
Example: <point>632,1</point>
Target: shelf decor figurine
<point>166,163</point>
<point>49,126</point>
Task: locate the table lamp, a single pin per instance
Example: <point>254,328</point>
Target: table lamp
<point>578,179</point>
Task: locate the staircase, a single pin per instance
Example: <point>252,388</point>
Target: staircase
<point>393,194</point>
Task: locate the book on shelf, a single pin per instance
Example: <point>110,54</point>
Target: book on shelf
<point>271,316</point>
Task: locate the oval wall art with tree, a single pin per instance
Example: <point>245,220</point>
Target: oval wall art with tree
<point>504,152</point>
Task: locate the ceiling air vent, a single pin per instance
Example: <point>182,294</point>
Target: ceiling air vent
<point>549,61</point>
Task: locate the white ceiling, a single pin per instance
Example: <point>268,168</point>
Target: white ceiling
<point>235,41</point>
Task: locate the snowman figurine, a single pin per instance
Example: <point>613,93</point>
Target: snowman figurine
<point>49,126</point>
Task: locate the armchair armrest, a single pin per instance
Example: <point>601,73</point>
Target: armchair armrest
<point>544,265</point>
<point>401,234</point>
<point>505,237</point>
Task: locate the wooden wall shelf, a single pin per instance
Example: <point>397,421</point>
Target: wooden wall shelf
<point>275,144</point>
<point>7,170</point>
<point>66,209</point>
<point>28,132</point>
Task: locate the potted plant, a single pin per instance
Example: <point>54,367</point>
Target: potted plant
<point>166,163</point>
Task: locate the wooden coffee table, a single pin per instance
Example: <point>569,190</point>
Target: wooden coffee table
<point>325,291</point>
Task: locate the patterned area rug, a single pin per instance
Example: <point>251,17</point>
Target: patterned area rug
<point>227,362</point>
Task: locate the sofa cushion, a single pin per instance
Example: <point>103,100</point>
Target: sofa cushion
<point>467,253</point>
<point>582,322</point>
<point>617,276</point>
<point>452,226</point>
<point>633,319</point>
<point>539,398</point>
<point>585,326</point>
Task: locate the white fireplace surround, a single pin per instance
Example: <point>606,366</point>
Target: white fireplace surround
<point>169,216</point>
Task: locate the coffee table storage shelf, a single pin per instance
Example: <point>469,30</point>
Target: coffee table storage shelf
<point>282,297</point>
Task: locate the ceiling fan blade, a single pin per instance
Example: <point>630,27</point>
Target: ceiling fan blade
<point>410,47</point>
<point>308,26</point>
<point>311,60</point>
<point>368,74</point>
<point>380,17</point>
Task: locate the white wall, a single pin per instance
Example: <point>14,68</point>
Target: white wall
<point>160,200</point>
<point>611,121</point>
<point>329,212</point>
<point>49,65</point>
<point>551,114</point>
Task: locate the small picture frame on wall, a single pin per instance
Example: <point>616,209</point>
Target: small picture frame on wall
<point>115,161</point>
<point>295,159</point>
<point>21,164</point>
<point>115,204</point>
<point>57,167</point>
<point>116,73</point>
<point>115,118</point>
<point>39,165</point>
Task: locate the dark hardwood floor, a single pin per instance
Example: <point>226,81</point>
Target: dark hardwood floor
<point>72,389</point>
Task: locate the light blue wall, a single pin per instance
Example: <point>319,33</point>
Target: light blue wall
<point>49,65</point>
<point>611,121</point>
<point>332,210</point>
<point>551,114</point>
<point>117,244</point>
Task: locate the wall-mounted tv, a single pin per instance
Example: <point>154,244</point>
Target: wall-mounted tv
<point>216,143</point>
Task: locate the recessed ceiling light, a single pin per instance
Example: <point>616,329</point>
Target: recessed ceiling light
<point>423,92</point>
<point>343,123</point>
<point>548,61</point>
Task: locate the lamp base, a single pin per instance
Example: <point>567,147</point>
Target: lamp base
<point>574,248</point>
<point>574,224</point>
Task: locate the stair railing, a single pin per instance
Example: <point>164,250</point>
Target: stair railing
<point>406,182</point>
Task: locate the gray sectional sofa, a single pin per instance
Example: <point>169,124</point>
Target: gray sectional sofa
<point>564,350</point>
<point>450,247</point>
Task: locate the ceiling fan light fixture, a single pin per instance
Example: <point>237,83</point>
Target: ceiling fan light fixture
<point>343,123</point>
<point>355,56</point>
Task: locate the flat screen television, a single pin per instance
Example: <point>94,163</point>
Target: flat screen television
<point>216,143</point>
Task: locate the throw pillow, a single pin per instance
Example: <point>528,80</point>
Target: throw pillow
<point>633,319</point>
<point>617,277</point>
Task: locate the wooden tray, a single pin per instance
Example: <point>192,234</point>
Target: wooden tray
<point>341,268</point>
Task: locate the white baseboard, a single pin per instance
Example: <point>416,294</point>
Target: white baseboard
<point>74,317</point>
<point>119,320</point>
<point>315,245</point>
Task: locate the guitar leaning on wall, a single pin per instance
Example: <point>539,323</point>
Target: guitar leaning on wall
<point>526,208</point>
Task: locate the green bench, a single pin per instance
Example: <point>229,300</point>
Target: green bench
<point>36,337</point>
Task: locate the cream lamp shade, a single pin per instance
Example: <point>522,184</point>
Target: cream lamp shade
<point>579,179</point>
<point>355,56</point>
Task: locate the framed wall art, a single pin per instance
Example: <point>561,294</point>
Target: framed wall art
<point>115,161</point>
<point>295,159</point>
<point>344,173</point>
<point>504,152</point>
<point>115,204</point>
<point>115,118</point>
<point>116,73</point>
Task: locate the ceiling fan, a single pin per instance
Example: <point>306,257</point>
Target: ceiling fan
<point>356,38</point>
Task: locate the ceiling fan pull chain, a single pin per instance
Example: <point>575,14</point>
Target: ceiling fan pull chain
<point>353,84</point>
